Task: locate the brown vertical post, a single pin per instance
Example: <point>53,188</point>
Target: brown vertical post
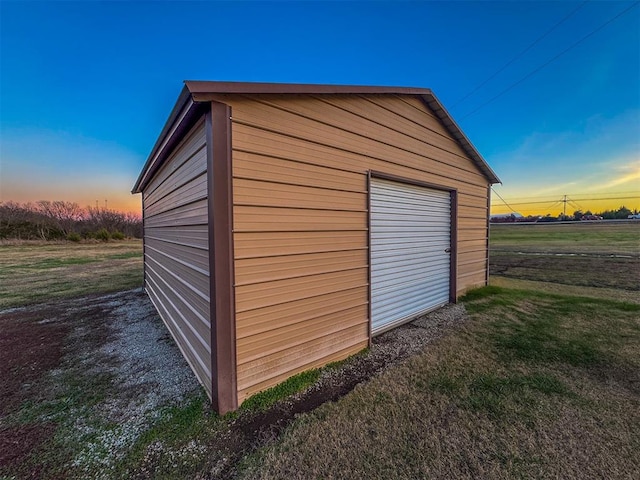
<point>486,277</point>
<point>369,251</point>
<point>144,243</point>
<point>221,264</point>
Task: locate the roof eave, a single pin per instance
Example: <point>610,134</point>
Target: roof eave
<point>197,88</point>
<point>182,107</point>
<point>436,106</point>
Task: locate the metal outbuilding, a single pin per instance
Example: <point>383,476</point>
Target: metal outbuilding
<point>284,225</point>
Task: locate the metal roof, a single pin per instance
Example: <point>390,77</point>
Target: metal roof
<point>195,93</point>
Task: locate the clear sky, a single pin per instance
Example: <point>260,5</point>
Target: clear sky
<point>87,86</point>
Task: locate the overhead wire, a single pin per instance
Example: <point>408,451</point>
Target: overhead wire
<point>519,55</point>
<point>633,193</point>
<point>503,200</point>
<point>551,60</point>
<point>580,199</point>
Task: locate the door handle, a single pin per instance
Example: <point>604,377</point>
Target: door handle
<point>447,250</point>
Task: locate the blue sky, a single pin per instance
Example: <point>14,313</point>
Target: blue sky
<point>87,86</point>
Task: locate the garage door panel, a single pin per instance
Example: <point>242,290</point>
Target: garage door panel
<point>411,305</point>
<point>407,249</point>
<point>389,305</point>
<point>407,268</point>
<point>410,233</point>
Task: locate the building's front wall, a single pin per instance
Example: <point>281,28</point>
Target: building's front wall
<point>300,168</point>
<point>176,249</point>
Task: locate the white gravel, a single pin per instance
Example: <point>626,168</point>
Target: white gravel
<point>149,375</point>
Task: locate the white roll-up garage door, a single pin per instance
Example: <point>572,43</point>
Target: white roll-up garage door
<point>410,251</point>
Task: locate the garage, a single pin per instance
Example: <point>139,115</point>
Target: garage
<point>286,224</point>
<point>411,245</point>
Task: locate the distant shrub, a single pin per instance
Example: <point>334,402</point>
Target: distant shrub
<point>74,237</point>
<point>103,235</point>
<point>118,235</point>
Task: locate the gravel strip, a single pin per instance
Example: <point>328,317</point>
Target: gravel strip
<point>148,374</point>
<point>392,347</point>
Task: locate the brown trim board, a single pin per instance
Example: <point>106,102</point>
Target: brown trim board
<point>488,230</point>
<point>144,248</point>
<point>369,332</point>
<point>221,265</point>
<point>453,195</point>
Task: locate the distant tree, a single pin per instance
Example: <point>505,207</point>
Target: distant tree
<point>63,215</point>
<point>577,215</point>
<point>53,220</point>
<point>623,212</point>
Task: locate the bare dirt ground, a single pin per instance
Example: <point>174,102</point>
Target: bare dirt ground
<point>79,372</point>
<point>87,378</point>
<point>587,270</point>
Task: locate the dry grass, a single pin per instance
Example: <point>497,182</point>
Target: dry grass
<point>535,386</point>
<point>32,272</point>
<point>570,290</point>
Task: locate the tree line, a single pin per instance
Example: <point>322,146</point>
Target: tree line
<point>60,220</point>
<point>618,214</point>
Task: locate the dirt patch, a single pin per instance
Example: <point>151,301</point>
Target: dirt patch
<point>17,444</point>
<point>30,346</point>
<point>588,271</point>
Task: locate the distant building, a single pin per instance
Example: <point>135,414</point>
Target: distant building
<point>506,218</point>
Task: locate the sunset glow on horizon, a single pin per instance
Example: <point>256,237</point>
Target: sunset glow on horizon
<point>546,91</point>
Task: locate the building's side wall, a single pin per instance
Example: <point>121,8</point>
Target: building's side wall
<point>300,220</point>
<point>177,249</point>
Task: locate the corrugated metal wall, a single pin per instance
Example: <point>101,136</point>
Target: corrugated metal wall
<point>300,220</point>
<point>410,251</point>
<point>177,249</point>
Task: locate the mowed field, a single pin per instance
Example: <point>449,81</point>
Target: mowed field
<point>32,272</point>
<point>598,259</point>
<point>540,378</point>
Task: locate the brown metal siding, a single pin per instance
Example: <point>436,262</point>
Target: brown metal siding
<point>177,249</point>
<point>300,219</point>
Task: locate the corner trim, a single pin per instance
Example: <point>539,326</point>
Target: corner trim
<point>369,326</point>
<point>488,232</point>
<point>221,265</point>
<point>144,247</point>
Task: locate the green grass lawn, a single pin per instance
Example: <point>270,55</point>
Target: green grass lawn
<point>598,259</point>
<point>36,272</point>
<point>577,237</point>
<point>534,386</point>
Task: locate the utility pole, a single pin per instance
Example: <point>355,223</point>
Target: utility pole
<point>564,214</point>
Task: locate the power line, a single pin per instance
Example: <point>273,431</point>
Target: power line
<point>536,70</point>
<point>581,199</point>
<point>503,201</point>
<point>633,193</point>
<point>519,55</point>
